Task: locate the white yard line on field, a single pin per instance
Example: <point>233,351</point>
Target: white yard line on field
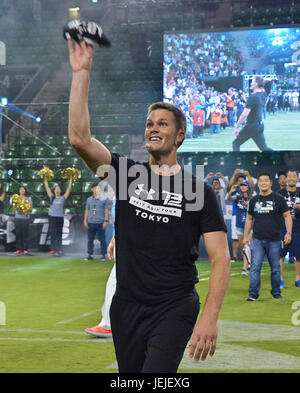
<point>87,314</point>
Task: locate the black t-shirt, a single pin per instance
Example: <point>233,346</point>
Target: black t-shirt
<point>256,104</point>
<point>156,237</point>
<point>291,198</point>
<point>267,212</point>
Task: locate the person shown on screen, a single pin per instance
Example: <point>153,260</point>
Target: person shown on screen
<point>155,308</point>
<point>252,115</point>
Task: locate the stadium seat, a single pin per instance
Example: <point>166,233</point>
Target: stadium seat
<point>40,210</point>
<point>36,186</point>
<point>70,210</point>
<point>76,186</point>
<point>70,162</point>
<point>86,187</point>
<point>28,174</point>
<point>28,151</point>
<point>86,174</point>
<point>12,188</point>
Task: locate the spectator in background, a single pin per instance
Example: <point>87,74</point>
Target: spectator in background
<point>230,107</point>
<point>215,119</point>
<point>282,181</point>
<point>219,189</point>
<point>95,220</point>
<point>234,182</point>
<point>295,100</point>
<point>240,198</point>
<point>224,117</point>
<point>22,225</point>
<point>280,100</point>
<point>198,121</point>
<point>291,195</point>
<point>2,197</point>
<point>272,103</point>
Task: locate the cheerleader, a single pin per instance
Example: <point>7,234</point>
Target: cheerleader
<point>22,225</point>
<point>56,215</point>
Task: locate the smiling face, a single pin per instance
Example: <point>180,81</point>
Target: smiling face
<point>292,178</point>
<point>216,185</point>
<point>22,191</point>
<point>264,183</point>
<point>161,134</point>
<point>244,188</point>
<point>57,191</point>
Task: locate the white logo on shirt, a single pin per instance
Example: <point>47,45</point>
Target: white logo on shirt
<point>141,191</point>
<point>173,199</point>
<point>172,205</point>
<point>264,207</point>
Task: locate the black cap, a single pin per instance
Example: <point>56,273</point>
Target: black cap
<point>94,185</point>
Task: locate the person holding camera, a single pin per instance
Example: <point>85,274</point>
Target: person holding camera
<point>219,185</point>
<point>240,199</point>
<point>238,176</point>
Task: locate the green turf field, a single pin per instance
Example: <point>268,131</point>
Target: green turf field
<point>282,132</point>
<point>49,302</point>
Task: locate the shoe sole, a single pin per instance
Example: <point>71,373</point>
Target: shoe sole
<point>99,335</point>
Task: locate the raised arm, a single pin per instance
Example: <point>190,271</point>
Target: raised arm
<point>69,188</point>
<point>49,192</point>
<point>205,333</point>
<point>93,152</point>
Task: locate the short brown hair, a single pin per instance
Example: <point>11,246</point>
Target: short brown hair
<point>180,119</point>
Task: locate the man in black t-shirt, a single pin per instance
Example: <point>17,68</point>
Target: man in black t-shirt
<point>252,113</point>
<point>265,212</point>
<point>157,229</point>
<point>292,196</point>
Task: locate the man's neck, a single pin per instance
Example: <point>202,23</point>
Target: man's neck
<point>292,188</point>
<point>257,90</point>
<point>265,193</point>
<point>164,165</point>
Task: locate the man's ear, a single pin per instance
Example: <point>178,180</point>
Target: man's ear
<point>180,137</point>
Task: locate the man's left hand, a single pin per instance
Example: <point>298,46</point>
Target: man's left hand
<point>204,339</point>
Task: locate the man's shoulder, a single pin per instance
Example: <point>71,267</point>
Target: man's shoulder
<point>277,194</point>
<point>279,197</point>
<point>282,192</point>
<point>121,157</point>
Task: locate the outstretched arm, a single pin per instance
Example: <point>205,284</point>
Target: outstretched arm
<point>93,152</point>
<point>204,338</point>
<point>47,188</point>
<point>68,190</point>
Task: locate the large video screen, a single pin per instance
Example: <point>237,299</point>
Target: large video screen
<point>217,76</point>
